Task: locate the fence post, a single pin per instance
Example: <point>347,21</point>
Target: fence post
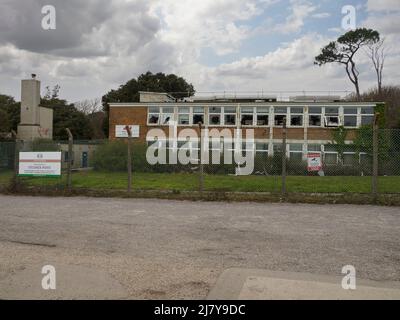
<point>375,153</point>
<point>16,162</point>
<point>284,132</point>
<point>69,164</point>
<point>201,167</point>
<point>128,130</point>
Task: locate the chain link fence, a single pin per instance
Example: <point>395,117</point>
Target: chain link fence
<point>281,167</point>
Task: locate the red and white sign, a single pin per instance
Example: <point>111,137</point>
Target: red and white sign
<point>40,164</point>
<point>120,131</point>
<point>314,162</point>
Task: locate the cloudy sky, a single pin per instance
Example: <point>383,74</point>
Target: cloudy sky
<point>232,45</point>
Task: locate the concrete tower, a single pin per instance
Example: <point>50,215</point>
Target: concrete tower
<point>36,121</point>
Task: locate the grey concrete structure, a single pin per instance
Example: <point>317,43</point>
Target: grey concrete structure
<point>36,121</point>
<point>146,96</point>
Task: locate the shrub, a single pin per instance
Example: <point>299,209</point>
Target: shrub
<point>111,156</point>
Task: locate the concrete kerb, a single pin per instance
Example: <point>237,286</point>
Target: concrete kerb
<point>258,284</point>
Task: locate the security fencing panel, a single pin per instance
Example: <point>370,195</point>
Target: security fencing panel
<point>341,166</point>
<point>7,157</point>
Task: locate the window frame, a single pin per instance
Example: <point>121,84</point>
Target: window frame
<point>230,113</point>
<point>345,114</point>
<point>247,113</point>
<point>163,113</point>
<point>197,113</point>
<point>296,151</point>
<point>211,114</point>
<point>264,143</point>
<point>267,113</point>
<point>312,113</point>
<point>151,113</point>
<point>296,114</point>
<point>367,115</point>
<point>332,115</point>
<point>279,113</point>
<point>179,113</point>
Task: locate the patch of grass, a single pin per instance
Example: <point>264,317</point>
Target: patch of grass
<point>217,183</point>
<point>5,177</point>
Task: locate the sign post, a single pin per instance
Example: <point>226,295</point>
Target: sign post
<point>129,133</point>
<point>70,144</point>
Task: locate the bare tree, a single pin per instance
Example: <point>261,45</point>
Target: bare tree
<point>92,108</point>
<point>89,106</point>
<point>377,53</point>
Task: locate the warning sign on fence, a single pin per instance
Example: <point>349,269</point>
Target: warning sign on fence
<point>40,164</point>
<point>314,162</point>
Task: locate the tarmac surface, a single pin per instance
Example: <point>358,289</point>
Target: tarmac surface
<point>161,249</point>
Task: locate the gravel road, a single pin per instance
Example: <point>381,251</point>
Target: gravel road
<point>158,249</point>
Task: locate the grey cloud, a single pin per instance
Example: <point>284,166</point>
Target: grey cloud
<point>84,28</point>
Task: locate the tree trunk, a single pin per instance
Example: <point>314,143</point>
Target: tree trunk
<point>357,90</point>
<point>353,76</point>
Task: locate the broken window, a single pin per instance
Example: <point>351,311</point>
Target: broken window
<point>154,115</point>
<point>314,117</point>
<point>167,115</point>
<point>247,116</point>
<point>198,115</point>
<point>214,116</point>
<point>280,116</point>
<point>262,116</point>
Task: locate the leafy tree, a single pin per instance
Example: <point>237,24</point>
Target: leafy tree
<point>9,113</point>
<point>344,51</point>
<point>65,115</point>
<point>5,125</point>
<point>178,87</point>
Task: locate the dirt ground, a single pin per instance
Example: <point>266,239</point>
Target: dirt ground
<point>162,249</point>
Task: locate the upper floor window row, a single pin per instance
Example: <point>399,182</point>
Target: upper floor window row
<point>295,116</point>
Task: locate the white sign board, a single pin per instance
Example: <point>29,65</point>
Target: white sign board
<point>314,162</point>
<point>120,131</point>
<point>40,164</point>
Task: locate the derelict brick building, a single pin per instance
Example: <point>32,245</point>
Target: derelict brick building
<point>309,120</point>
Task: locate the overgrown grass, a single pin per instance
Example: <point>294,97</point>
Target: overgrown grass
<point>190,182</point>
<point>5,177</point>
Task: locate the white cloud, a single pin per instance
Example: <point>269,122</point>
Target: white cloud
<point>388,24</point>
<point>296,55</point>
<point>321,15</point>
<point>216,24</point>
<point>383,5</point>
<point>300,10</point>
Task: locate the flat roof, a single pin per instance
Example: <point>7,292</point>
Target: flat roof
<point>259,104</point>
